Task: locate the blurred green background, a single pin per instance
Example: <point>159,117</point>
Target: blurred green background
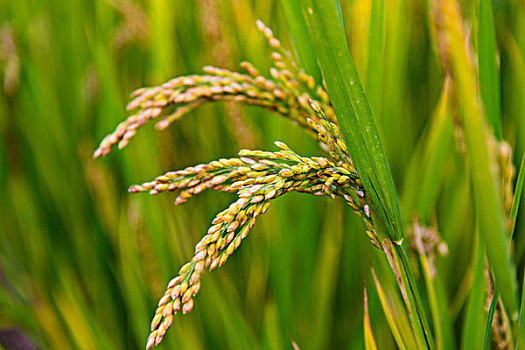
<point>83,263</point>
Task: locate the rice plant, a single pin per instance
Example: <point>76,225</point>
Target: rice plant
<point>258,177</point>
<point>408,114</point>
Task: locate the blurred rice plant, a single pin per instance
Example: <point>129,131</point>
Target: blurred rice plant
<point>82,263</point>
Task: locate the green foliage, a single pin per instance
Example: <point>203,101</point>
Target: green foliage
<point>83,263</point>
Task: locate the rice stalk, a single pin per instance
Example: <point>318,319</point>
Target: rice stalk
<point>456,56</point>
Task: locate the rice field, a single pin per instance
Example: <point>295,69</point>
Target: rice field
<point>410,115</point>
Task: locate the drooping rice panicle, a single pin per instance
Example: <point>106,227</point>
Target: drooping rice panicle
<point>257,177</point>
<point>228,229</point>
<point>170,101</point>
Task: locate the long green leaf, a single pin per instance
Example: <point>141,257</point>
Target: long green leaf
<point>489,85</point>
<point>299,34</point>
<point>354,115</point>
<point>475,314</point>
<point>520,338</point>
<point>490,317</point>
<point>396,321</point>
<point>517,196</point>
<point>398,258</point>
<point>487,197</point>
<point>370,343</point>
<point>358,128</point>
<point>376,49</point>
<point>425,171</point>
<point>432,300</point>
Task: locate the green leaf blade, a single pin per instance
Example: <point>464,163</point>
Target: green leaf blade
<point>354,115</point>
<point>376,50</point>
<point>486,193</point>
<point>362,138</point>
<point>518,190</point>
<point>474,327</point>
<point>488,66</point>
<point>299,34</point>
<point>520,338</point>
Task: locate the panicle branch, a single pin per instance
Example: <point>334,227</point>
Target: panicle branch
<point>287,92</point>
<point>284,168</point>
<point>257,177</point>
